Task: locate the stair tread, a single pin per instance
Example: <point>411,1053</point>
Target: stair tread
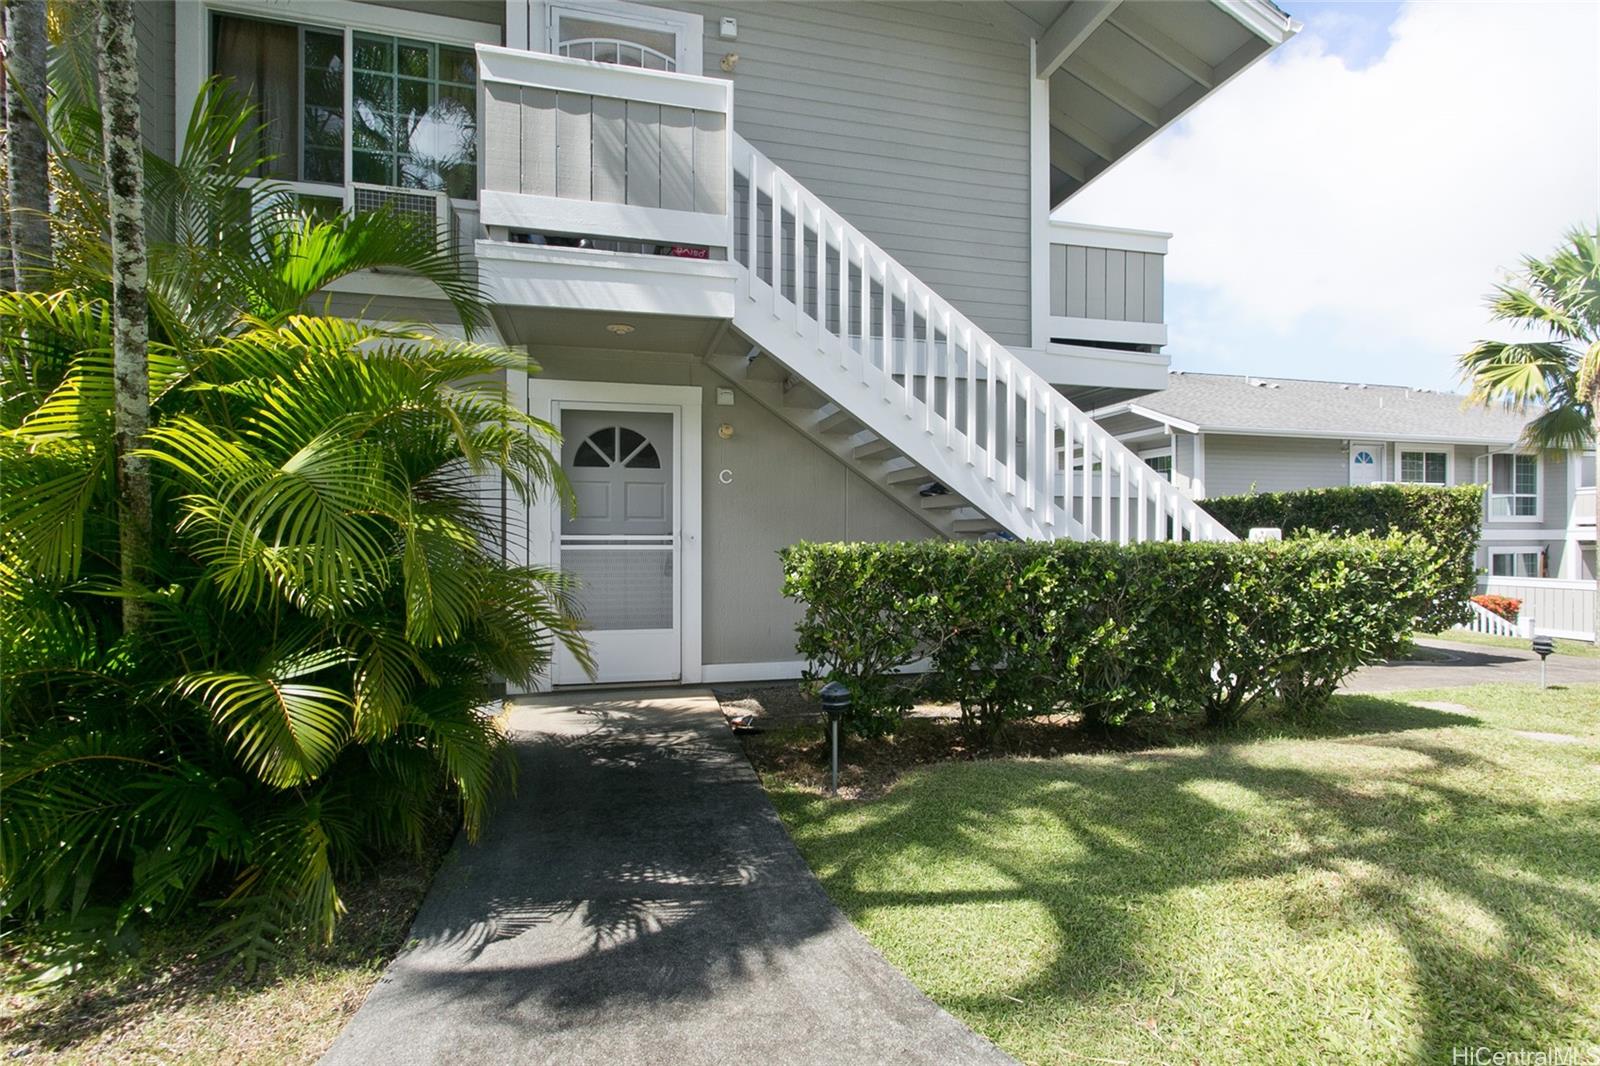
<point>905,474</point>
<point>875,448</point>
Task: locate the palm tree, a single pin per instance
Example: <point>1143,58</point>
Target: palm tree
<point>27,184</point>
<point>130,276</point>
<point>1557,297</point>
<point>327,602</point>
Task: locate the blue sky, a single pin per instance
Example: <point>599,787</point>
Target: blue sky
<point>1341,209</point>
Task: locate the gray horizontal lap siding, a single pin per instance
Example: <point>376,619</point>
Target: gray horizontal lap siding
<point>911,120</point>
<point>1234,465</point>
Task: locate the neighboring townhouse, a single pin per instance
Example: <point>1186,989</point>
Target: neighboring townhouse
<point>1224,434</point>
<point>789,268</point>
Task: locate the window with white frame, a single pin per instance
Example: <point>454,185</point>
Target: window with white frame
<point>1586,470</point>
<point>1513,486</point>
<point>1160,462</point>
<point>629,35</point>
<point>1516,562</point>
<point>411,119</point>
<point>1424,467</point>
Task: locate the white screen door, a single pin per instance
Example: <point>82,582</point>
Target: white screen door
<point>622,543</point>
<point>1366,463</point>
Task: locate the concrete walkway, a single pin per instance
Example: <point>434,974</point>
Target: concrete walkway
<point>1472,664</point>
<point>640,902</point>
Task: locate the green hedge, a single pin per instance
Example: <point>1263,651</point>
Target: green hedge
<point>1449,519</point>
<point>1011,630</point>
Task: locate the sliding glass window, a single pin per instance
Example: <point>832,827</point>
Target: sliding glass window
<point>412,119</point>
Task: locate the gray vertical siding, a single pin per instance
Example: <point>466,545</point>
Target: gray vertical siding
<point>1106,283</point>
<point>155,25</point>
<point>911,120</point>
<point>583,147</point>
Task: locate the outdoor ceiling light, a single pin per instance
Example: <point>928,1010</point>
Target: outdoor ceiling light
<point>621,329</point>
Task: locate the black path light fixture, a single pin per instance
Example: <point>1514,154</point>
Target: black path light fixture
<point>1544,647</point>
<point>835,702</point>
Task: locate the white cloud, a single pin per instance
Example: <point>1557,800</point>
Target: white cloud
<point>1371,209</point>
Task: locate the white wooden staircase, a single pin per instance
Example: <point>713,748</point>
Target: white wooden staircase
<point>861,356</point>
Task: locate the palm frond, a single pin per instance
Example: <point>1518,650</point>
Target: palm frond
<point>306,255</point>
<point>285,734</point>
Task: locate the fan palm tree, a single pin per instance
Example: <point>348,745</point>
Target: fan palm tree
<point>327,602</point>
<point>1556,298</point>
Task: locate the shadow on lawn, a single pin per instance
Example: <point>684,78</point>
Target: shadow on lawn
<point>1389,837</point>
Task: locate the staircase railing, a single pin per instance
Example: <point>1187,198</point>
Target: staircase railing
<point>1482,620</point>
<point>1011,444</point>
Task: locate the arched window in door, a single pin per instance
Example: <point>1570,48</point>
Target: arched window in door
<point>629,35</point>
<point>617,446</point>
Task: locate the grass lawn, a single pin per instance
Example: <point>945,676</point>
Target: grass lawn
<point>166,1004</point>
<point>1579,648</point>
<point>1388,883</point>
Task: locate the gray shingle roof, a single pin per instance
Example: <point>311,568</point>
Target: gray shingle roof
<point>1293,407</point>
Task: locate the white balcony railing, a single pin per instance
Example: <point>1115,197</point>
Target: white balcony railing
<point>1107,285</point>
<point>1583,509</point>
<point>572,147</point>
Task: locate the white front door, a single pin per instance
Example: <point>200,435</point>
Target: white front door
<point>1366,463</point>
<point>622,542</point>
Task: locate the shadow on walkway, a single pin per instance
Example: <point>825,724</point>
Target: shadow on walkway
<point>639,901</point>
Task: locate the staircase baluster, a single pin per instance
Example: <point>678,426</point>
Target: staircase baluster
<point>777,245</point>
<point>1144,503</point>
<point>842,282</point>
<point>908,366</point>
<point>1031,449</point>
<point>971,435</point>
<point>1049,457</point>
<point>799,263</point>
<point>888,335</point>
<point>755,225</point>
<point>1124,519</point>
<point>1012,443</point>
<point>948,363</point>
<point>1105,484</point>
<point>866,315</point>
<point>822,275</point>
<point>990,406</point>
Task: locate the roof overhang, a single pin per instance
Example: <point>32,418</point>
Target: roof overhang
<point>1119,72</point>
<point>1183,425</point>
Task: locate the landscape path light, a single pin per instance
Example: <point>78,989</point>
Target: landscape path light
<point>1544,647</point>
<point>835,701</point>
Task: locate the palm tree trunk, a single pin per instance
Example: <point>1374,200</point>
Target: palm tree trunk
<point>130,269</point>
<point>27,159</point>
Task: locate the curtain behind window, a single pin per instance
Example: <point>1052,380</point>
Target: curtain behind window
<point>263,60</point>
